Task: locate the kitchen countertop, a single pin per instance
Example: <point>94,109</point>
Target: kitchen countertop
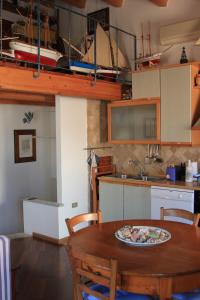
<point>161,183</point>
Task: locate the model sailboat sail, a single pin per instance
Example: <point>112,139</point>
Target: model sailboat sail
<point>120,60</point>
<point>107,53</point>
<point>197,42</point>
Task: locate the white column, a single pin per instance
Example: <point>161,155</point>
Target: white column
<point>72,171</point>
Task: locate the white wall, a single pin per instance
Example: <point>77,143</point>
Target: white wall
<point>135,12</point>
<point>72,171</point>
<point>42,217</point>
<point>21,180</point>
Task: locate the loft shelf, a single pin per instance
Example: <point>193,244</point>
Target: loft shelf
<point>19,82</point>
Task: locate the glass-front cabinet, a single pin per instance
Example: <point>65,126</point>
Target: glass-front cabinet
<point>134,121</point>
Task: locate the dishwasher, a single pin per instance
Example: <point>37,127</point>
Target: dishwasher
<point>171,198</point>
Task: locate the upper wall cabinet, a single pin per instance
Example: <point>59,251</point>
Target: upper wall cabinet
<point>146,84</point>
<point>134,122</point>
<point>179,99</point>
<point>179,105</point>
<point>176,105</point>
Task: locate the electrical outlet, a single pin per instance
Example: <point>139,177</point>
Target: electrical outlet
<point>74,204</point>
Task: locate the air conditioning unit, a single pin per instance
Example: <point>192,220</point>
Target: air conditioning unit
<point>180,32</point>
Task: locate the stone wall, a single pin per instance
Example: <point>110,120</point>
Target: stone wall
<point>123,153</point>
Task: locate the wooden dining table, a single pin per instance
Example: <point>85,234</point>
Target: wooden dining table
<point>158,270</point>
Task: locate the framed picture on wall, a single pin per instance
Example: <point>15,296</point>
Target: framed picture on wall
<point>25,145</point>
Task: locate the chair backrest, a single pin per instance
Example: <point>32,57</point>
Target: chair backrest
<point>180,213</point>
<point>94,217</point>
<point>5,282</point>
<point>97,270</point>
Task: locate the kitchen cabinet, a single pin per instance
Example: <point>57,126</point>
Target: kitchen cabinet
<point>179,105</point>
<point>123,202</point>
<point>179,100</point>
<point>176,105</point>
<point>137,202</point>
<point>111,201</point>
<point>146,84</point>
<point>134,122</point>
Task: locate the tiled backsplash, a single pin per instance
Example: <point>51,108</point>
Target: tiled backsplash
<point>123,153</point>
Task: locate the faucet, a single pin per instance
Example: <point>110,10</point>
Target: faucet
<point>138,164</point>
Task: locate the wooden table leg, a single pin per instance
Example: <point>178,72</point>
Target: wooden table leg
<point>165,288</point>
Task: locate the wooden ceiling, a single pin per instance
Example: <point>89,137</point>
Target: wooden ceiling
<point>116,3</point>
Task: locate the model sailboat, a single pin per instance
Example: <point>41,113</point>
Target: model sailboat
<point>28,52</point>
<point>108,59</point>
<point>149,59</point>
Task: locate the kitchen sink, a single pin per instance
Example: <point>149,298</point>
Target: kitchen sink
<point>138,177</point>
<point>152,178</point>
<point>148,178</point>
<point>123,176</point>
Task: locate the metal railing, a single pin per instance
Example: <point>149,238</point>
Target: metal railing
<point>69,15</point>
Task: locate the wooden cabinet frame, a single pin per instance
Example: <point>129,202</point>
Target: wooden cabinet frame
<point>138,102</point>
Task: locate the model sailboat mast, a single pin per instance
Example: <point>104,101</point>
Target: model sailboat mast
<point>149,39</point>
<point>30,24</point>
<point>142,40</point>
<point>111,50</point>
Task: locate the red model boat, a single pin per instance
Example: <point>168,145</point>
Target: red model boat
<point>26,52</point>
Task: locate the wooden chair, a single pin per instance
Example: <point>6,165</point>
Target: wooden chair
<point>180,213</point>
<point>94,217</point>
<point>85,267</point>
<point>101,273</point>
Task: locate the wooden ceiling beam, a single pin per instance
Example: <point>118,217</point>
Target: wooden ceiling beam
<point>77,3</point>
<point>117,3</point>
<point>162,3</point>
<point>16,97</point>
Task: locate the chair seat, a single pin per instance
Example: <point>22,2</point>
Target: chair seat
<point>120,295</point>
<point>195,295</point>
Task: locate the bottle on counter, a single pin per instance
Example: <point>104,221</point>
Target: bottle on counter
<point>189,172</point>
<point>168,172</point>
<point>171,172</point>
<point>194,168</point>
<point>183,171</point>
